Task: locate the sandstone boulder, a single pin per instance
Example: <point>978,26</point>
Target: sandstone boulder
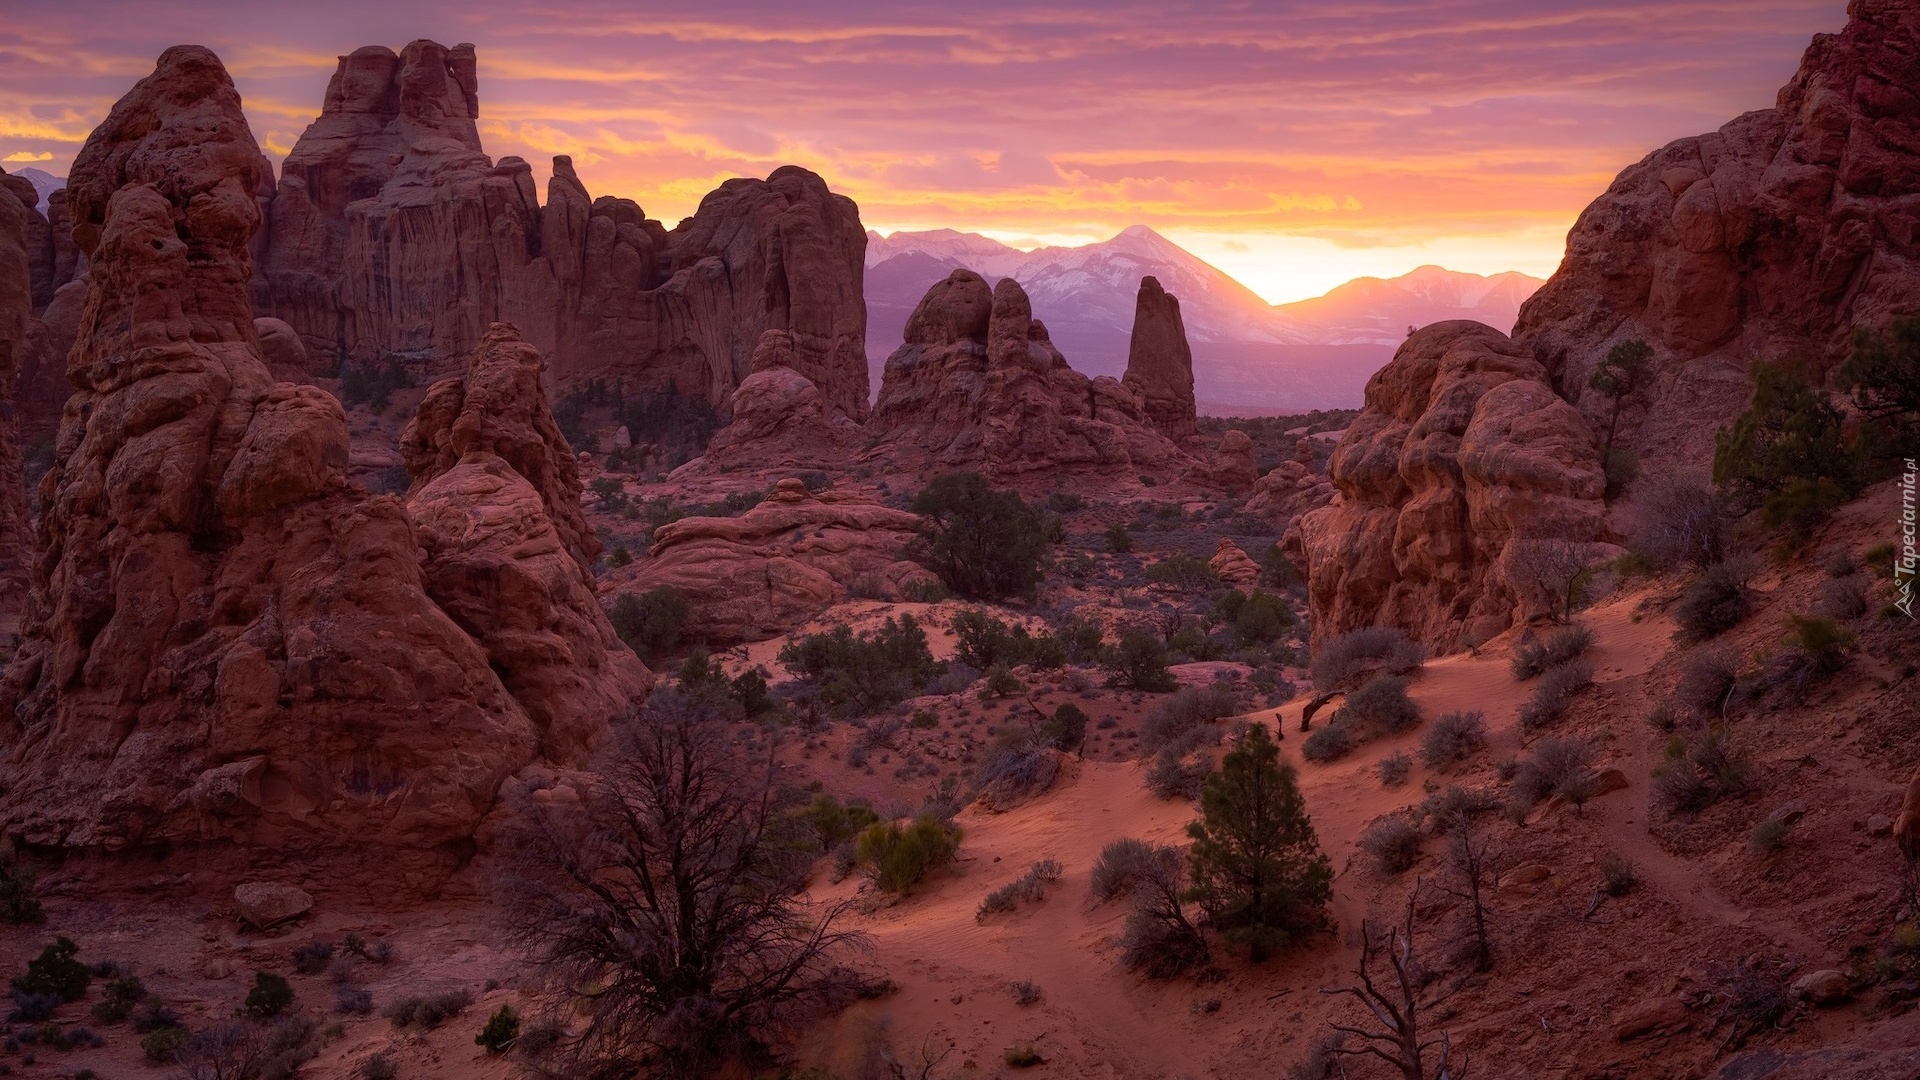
<point>1160,362</point>
<point>977,384</point>
<point>1768,240</point>
<point>779,564</point>
<point>1288,491</point>
<point>1462,451</point>
<point>1824,987</point>
<point>1234,566</point>
<point>263,905</point>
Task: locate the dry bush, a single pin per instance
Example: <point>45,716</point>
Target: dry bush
<point>1556,647</point>
<point>1445,809</point>
<point>1394,843</point>
<point>1554,693</point>
<point>1158,940</point>
<point>1556,767</point>
<point>1347,661</point>
<point>1700,768</point>
<point>1394,768</point>
<point>1189,708</point>
<point>1680,521</point>
<point>1030,887</point>
<point>1453,738</point>
<point>1714,602</point>
<point>1707,680</point>
<point>1122,865</point>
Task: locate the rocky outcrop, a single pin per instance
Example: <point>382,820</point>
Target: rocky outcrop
<point>778,565</point>
<point>1234,566</point>
<point>393,235</point>
<point>978,385</point>
<point>1291,489</point>
<point>780,418</point>
<point>495,504</point>
<point>1462,461</point>
<point>1160,363</point>
<point>225,640</point>
<point>57,273</point>
<point>1230,467</point>
<point>16,312</point>
<point>1768,240</point>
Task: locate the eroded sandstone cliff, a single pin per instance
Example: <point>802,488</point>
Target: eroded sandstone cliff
<point>225,640</point>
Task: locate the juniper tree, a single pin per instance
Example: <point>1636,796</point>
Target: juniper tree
<point>1257,869</point>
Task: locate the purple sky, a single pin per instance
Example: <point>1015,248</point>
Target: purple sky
<point>1294,144</point>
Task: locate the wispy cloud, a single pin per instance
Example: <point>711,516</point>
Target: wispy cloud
<point>1384,128</point>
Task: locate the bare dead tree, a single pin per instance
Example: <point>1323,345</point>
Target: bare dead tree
<point>671,886</point>
<point>1472,860</point>
<point>1552,567</point>
<point>928,1059</point>
<point>1395,1007</point>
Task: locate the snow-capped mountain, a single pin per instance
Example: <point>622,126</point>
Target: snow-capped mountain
<point>1249,356</point>
<point>43,182</point>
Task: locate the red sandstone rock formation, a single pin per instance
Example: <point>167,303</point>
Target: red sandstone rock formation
<point>1290,489</point>
<point>978,385</point>
<point>779,564</point>
<point>57,271</point>
<point>780,417</point>
<point>225,640</point>
<point>1230,467</point>
<point>16,312</point>
<point>1462,450</point>
<point>1159,361</point>
<point>1234,566</point>
<point>392,233</point>
<point>495,504</point>
<point>1768,240</point>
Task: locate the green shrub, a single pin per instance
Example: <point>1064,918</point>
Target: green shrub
<point>56,973</point>
<point>269,996</point>
<point>986,543</point>
<point>1883,375</point>
<point>1066,728</point>
<point>161,1044</point>
<point>871,671</point>
<point>1183,572</point>
<point>653,623</point>
<point>984,642</point>
<point>1139,662</point>
<point>1788,453</point>
<point>1329,743</point>
<point>1255,618</point>
<point>832,823</point>
<point>118,998</point>
<point>1770,835</point>
<point>897,857</point>
<point>1825,642</point>
<point>1617,875</point>
<point>1256,864</point>
<point>1379,708</point>
<point>502,1028</point>
<point>379,1067</point>
<point>1119,540</point>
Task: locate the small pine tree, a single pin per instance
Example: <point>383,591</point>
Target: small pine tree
<point>502,1029</point>
<point>1624,374</point>
<point>1257,869</point>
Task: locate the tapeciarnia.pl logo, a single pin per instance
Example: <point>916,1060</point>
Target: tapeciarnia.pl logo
<point>1904,562</point>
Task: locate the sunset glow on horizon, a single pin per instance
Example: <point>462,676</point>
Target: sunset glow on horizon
<point>1294,145</point>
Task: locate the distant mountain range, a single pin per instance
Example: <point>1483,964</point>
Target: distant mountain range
<point>43,182</point>
<point>1249,356</point>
